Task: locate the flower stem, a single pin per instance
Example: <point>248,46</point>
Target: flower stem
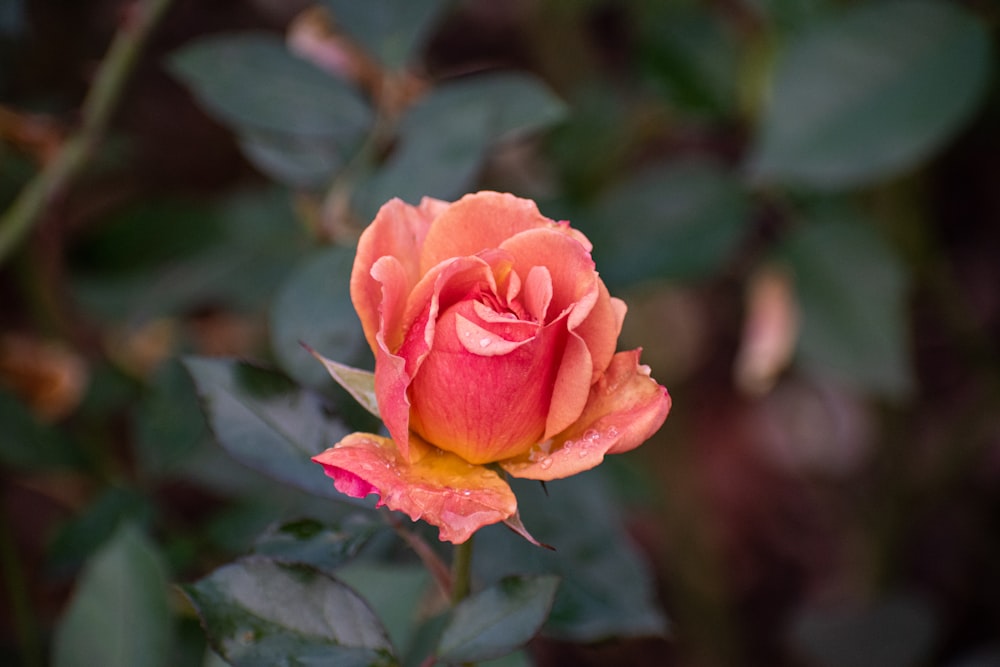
<point>461,572</point>
<point>101,100</point>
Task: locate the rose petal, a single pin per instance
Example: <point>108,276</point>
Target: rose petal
<point>485,408</point>
<point>440,488</point>
<point>626,407</point>
<point>572,386</point>
<point>538,292</point>
<point>601,328</point>
<point>570,267</point>
<point>398,231</point>
<point>478,222</point>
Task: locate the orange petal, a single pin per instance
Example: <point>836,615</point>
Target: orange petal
<point>477,222</point>
<point>440,488</point>
<point>398,231</point>
<point>626,406</point>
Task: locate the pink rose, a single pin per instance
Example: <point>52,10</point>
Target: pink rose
<point>494,342</point>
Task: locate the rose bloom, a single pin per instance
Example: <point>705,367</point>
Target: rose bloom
<point>494,341</point>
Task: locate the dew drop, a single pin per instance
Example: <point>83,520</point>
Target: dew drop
<point>582,453</point>
<point>546,463</point>
<point>592,435</point>
<point>568,444</point>
<point>485,342</point>
<point>467,492</point>
<point>612,432</point>
<point>366,466</point>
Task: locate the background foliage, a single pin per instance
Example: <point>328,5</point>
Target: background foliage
<point>797,198</point>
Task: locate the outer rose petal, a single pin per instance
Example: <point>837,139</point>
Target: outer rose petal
<point>482,221</point>
<point>440,488</point>
<point>626,407</point>
<point>398,231</point>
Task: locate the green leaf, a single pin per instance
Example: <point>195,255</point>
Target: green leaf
<point>295,121</point>
<point>396,591</point>
<point>359,383</point>
<point>252,80</point>
<point>314,306</point>
<point>258,613</point>
<point>267,423</point>
<point>445,137</point>
<point>168,422</point>
<point>314,543</point>
<point>498,620</point>
<point>391,30</point>
<point>119,615</point>
<point>80,537</point>
<point>27,443</point>
<point>680,220</point>
<point>871,93</point>
<point>607,589</point>
<point>852,292</point>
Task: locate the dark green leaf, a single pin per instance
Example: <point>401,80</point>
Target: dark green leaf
<point>395,591</point>
<point>681,221</point>
<point>607,589</point>
<point>29,444</point>
<point>299,162</point>
<point>81,536</point>
<point>314,306</point>
<point>444,139</point>
<point>266,422</point>
<point>119,615</point>
<point>871,93</point>
<point>852,292</point>
<point>897,631</point>
<point>169,425</point>
<point>258,613</point>
<point>311,542</point>
<point>391,30</point>
<point>498,620</point>
<point>251,80</point>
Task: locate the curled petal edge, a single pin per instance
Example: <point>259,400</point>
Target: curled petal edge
<point>436,486</point>
<point>625,408</point>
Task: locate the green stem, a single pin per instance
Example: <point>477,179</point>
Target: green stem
<point>461,572</point>
<point>101,100</point>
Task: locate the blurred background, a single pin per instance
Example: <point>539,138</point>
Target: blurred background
<point>798,199</point>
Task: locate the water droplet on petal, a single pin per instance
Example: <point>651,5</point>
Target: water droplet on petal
<point>583,453</point>
<point>546,463</point>
<point>366,466</point>
<point>568,444</point>
<point>612,432</point>
<point>484,342</point>
<point>592,435</point>
<point>467,492</point>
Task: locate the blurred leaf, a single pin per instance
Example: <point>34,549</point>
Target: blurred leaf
<point>296,161</point>
<point>498,620</point>
<point>311,542</point>
<point>254,242</point>
<point>119,615</point>
<point>267,423</point>
<point>607,589</point>
<point>391,30</point>
<point>258,613</point>
<point>168,422</point>
<point>80,537</point>
<point>395,591</point>
<point>252,80</point>
<point>893,632</point>
<point>444,138</point>
<point>28,444</point>
<point>314,306</point>
<point>871,93</point>
<point>358,383</point>
<point>681,220</point>
<point>690,56</point>
<point>852,291</point>
<point>295,121</point>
